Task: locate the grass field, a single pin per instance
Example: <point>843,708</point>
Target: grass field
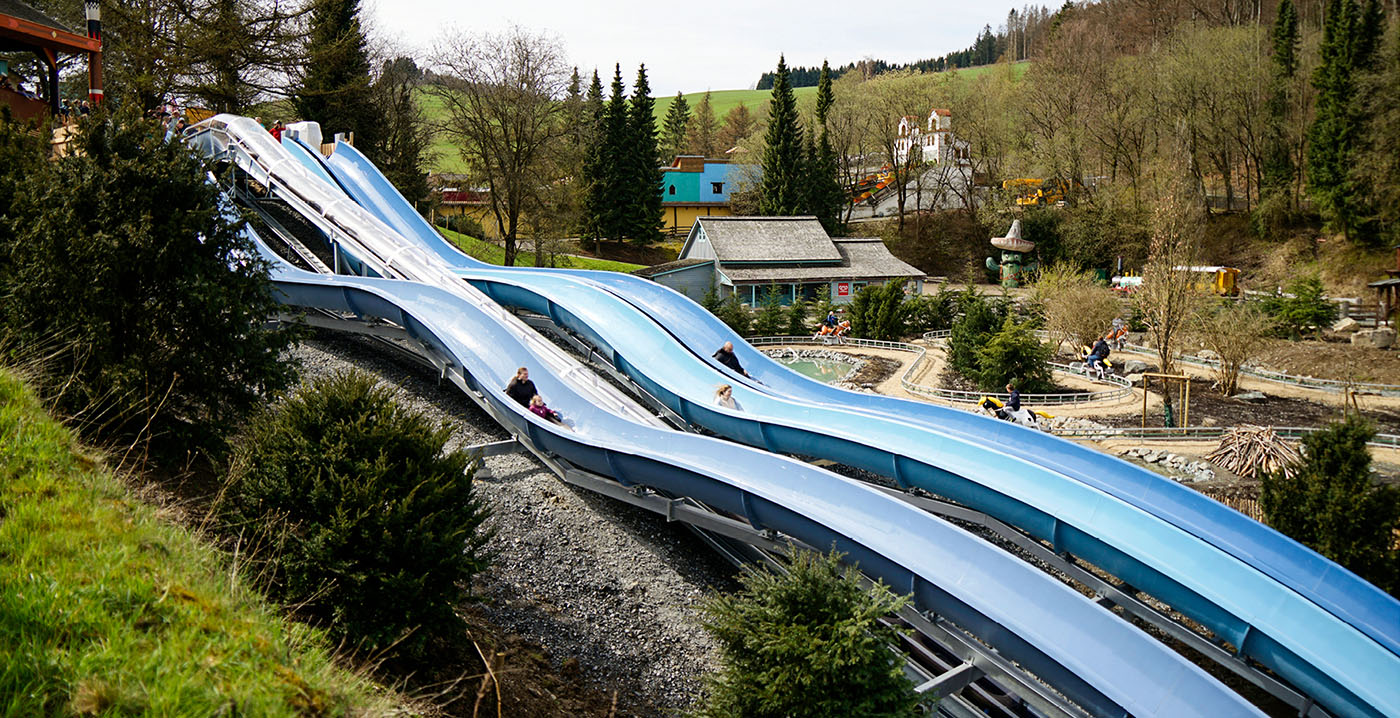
<point>107,610</point>
<point>495,254</point>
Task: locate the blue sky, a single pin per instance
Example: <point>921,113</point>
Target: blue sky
<point>705,44</point>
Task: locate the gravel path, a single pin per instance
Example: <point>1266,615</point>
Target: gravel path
<point>613,587</point>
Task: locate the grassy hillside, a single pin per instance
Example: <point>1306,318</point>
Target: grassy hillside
<point>495,254</point>
<point>106,609</point>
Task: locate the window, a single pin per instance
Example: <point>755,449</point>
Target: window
<point>673,189</point>
<point>717,187</point>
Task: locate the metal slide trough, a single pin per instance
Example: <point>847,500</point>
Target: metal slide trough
<point>1265,620</point>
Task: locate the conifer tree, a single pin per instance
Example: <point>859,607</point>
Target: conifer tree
<point>782,192</point>
<point>1349,43</point>
<point>589,227</point>
<point>610,189</point>
<point>673,128</point>
<point>336,89</point>
<point>1378,171</point>
<point>700,133</point>
<point>827,197</point>
<point>1278,170</point>
<point>738,125</point>
<point>643,189</point>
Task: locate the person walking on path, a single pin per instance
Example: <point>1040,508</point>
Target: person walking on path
<point>725,356</point>
<point>520,388</point>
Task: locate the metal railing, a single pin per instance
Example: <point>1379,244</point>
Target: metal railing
<point>1192,433</point>
<point>1122,386</point>
<point>1269,375</point>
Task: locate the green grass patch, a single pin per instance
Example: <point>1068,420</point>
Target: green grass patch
<point>105,609</point>
<point>496,254</point>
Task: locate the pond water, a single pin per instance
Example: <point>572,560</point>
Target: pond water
<point>823,370</point>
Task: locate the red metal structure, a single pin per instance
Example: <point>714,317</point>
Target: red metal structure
<point>22,28</point>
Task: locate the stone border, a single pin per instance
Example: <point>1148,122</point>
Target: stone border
<point>823,355</point>
<point>1124,388</point>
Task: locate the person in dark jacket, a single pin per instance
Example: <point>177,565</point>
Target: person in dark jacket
<point>520,388</point>
<point>830,320</point>
<point>1013,399</point>
<point>1097,354</point>
<point>725,355</point>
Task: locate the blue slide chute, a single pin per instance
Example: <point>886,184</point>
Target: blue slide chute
<point>1266,616</point>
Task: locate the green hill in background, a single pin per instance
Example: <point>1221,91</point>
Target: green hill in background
<point>446,158</point>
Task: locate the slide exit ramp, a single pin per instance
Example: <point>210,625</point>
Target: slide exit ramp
<point>1299,641</point>
<point>1098,660</point>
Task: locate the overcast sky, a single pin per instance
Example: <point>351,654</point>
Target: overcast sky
<point>709,44</point>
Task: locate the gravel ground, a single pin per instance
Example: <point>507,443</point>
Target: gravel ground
<point>614,588</point>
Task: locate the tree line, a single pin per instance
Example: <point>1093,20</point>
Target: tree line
<point>1015,40</point>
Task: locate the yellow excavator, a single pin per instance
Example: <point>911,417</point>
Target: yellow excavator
<point>1037,192</point>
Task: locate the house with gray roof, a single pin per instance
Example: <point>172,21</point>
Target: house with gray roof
<point>747,255</point>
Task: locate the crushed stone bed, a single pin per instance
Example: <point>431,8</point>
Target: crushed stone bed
<point>613,587</point>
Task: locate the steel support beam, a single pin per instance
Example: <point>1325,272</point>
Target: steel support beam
<point>1109,595</point>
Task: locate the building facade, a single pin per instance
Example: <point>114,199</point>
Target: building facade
<point>933,135</point>
<point>750,256</point>
<point>694,187</point>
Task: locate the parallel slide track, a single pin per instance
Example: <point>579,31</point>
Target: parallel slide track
<point>1335,652</point>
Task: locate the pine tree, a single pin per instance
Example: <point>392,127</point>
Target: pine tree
<point>1278,170</point>
<point>1349,43</point>
<point>806,641</point>
<point>336,89</point>
<point>673,128</point>
<point>610,190</point>
<point>590,175</point>
<point>738,125</point>
<point>700,132</point>
<point>828,199</point>
<point>643,190</point>
<point>1334,507</point>
<point>1378,171</point>
<point>782,192</point>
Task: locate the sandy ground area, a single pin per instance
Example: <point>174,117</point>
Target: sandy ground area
<point>928,375</point>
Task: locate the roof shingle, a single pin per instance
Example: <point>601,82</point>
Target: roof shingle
<point>769,239</point>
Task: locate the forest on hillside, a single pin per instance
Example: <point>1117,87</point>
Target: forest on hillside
<point>1287,112</point>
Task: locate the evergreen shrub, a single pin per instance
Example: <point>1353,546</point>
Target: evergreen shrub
<point>121,265</point>
<point>771,319</point>
<point>981,319</point>
<point>806,642</point>
<point>1305,312</point>
<point>1013,354</point>
<point>880,312</point>
<point>1334,507</point>
<point>357,514</point>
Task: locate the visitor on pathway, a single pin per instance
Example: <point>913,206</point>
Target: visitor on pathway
<point>725,355</point>
<point>724,396</point>
<point>520,388</point>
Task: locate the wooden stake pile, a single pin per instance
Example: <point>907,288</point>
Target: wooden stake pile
<point>1253,451</point>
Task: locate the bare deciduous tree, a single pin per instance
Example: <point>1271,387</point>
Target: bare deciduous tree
<point>1077,309</point>
<point>1236,331</point>
<point>502,94</point>
<point>1167,298</point>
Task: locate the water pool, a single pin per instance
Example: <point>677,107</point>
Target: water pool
<point>823,370</point>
